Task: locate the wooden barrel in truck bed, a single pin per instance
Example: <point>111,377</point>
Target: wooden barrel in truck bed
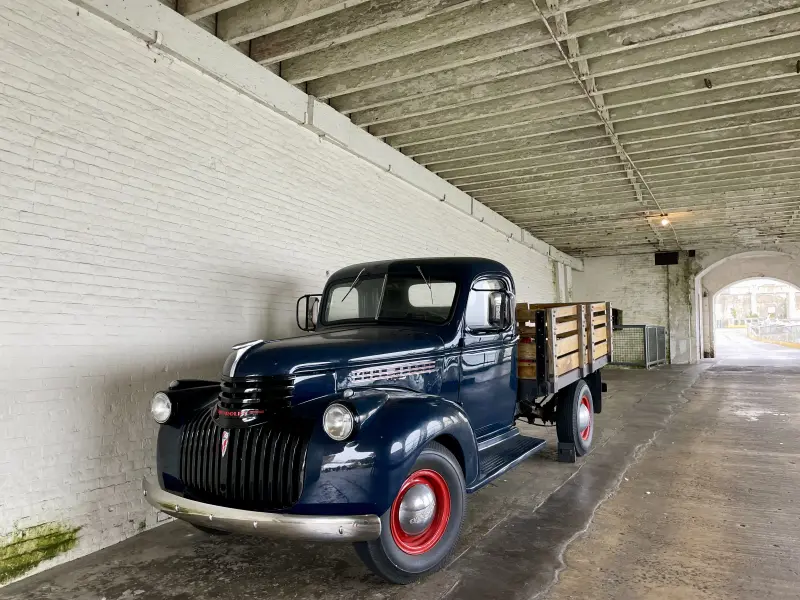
<point>561,343</point>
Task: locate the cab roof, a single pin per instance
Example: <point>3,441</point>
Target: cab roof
<point>461,269</point>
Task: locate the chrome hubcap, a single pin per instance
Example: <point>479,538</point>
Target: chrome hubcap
<point>584,418</point>
<point>417,509</point>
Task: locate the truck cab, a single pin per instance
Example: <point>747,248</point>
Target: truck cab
<point>373,427</point>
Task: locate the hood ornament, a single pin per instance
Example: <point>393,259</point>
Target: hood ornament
<point>241,350</point>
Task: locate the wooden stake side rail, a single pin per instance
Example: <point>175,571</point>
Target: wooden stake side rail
<point>575,341</point>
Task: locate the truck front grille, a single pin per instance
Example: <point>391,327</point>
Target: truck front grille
<point>262,467</point>
<point>274,392</point>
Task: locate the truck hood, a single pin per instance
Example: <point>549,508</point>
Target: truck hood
<point>335,349</point>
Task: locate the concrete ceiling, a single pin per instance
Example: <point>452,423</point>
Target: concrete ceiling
<point>583,121</point>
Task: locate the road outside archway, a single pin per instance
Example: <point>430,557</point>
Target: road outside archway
<point>757,319</point>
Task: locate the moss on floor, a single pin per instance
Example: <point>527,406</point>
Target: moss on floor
<point>24,549</point>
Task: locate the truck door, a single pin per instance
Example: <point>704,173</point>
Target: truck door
<point>487,390</point>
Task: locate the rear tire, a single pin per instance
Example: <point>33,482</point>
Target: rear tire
<point>575,417</point>
<point>402,557</point>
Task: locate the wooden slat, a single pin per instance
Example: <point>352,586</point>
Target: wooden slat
<point>523,313</point>
<point>600,350</point>
<point>526,370</point>
<point>567,363</point>
<point>600,334</point>
<point>567,345</point>
<point>527,330</point>
<point>598,307</point>
<point>566,311</point>
<point>599,320</point>
<point>526,351</point>
<point>567,327</point>
<point>549,305</point>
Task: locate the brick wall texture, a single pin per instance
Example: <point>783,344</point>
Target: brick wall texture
<point>150,217</point>
<point>631,283</point>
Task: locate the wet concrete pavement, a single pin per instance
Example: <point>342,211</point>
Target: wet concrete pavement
<point>712,510</point>
<point>691,491</point>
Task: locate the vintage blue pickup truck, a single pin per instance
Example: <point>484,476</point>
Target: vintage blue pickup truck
<point>375,426</point>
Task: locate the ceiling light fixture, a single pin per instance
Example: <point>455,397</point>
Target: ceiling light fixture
<point>664,221</point>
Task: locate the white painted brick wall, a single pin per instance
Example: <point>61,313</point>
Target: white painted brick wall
<point>632,283</point>
<point>150,217</point>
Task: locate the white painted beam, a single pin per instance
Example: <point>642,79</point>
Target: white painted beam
<point>195,10</point>
<point>778,136</point>
<point>550,175</point>
<point>551,103</point>
<point>348,25</point>
<point>532,208</point>
<point>747,124</point>
<point>579,150</point>
<point>575,158</point>
<point>465,96</point>
<point>725,69</point>
<point>664,130</point>
<point>553,172</point>
<point>427,154</point>
<point>496,55</point>
<point>738,155</point>
<point>772,94</point>
<point>662,98</point>
<point>471,23</point>
<point>582,197</point>
<point>611,176</point>
<point>260,17</point>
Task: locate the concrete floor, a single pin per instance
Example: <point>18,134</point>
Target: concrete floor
<point>692,491</point>
<point>734,345</point>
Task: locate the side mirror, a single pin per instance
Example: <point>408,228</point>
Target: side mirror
<point>308,311</point>
<point>499,303</point>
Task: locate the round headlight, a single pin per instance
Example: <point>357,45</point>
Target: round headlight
<point>160,407</point>
<point>338,422</point>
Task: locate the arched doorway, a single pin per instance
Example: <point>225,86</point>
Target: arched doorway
<point>728,269</point>
<point>757,318</point>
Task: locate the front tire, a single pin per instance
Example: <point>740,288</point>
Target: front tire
<point>575,417</point>
<point>420,530</point>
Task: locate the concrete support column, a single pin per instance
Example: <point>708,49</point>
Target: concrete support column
<point>682,328</point>
<point>707,315</point>
<point>753,302</point>
<point>568,280</point>
<point>792,312</point>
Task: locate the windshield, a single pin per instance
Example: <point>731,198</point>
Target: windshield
<point>393,297</point>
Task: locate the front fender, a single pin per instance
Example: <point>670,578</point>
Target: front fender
<point>187,398</point>
<point>363,474</point>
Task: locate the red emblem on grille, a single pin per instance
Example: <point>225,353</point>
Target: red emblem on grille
<point>225,436</point>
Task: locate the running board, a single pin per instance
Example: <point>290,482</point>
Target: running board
<point>498,458</point>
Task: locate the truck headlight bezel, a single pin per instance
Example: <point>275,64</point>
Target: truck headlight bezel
<point>161,408</point>
<point>338,422</point>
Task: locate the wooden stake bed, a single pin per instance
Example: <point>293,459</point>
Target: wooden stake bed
<point>561,343</point>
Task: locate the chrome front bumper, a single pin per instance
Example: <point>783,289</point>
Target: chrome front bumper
<point>355,528</point>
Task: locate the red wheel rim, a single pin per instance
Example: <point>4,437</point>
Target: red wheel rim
<point>588,430</point>
<point>424,541</point>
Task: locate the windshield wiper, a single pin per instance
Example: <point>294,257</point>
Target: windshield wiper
<point>352,285</point>
<point>426,282</point>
